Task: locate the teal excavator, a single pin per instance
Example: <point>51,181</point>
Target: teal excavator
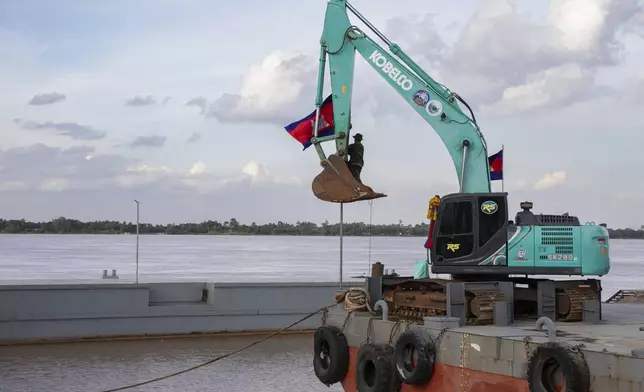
<point>472,238</point>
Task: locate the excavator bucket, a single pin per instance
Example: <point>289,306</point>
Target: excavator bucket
<point>336,184</point>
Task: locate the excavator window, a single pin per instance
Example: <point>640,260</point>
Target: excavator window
<point>456,232</point>
<point>456,218</point>
<point>490,224</point>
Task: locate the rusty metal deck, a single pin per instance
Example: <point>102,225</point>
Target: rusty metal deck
<point>612,347</point>
<point>619,331</point>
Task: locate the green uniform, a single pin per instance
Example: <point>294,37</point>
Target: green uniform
<point>356,159</point>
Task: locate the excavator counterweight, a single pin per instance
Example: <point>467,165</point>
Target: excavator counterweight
<point>336,184</point>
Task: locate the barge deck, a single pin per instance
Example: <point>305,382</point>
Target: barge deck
<point>604,352</point>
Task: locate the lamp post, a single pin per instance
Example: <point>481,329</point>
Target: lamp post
<point>137,241</point>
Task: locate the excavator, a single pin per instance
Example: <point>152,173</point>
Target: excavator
<point>473,239</point>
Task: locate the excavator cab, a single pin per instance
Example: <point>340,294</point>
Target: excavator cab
<point>471,231</point>
<point>336,184</point>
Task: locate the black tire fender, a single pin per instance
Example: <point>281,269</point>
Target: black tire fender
<point>376,369</point>
<point>416,342</point>
<point>550,358</point>
<point>331,354</point>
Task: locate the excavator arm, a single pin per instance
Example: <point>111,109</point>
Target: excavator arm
<point>432,101</point>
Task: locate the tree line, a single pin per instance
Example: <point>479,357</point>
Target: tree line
<point>64,225</point>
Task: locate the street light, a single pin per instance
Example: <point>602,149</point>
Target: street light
<point>137,241</point>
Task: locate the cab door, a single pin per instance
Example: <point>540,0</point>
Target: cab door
<point>454,237</point>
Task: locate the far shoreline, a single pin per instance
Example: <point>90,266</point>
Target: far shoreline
<point>233,227</point>
<point>248,235</point>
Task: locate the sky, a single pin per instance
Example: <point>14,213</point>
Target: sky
<point>182,106</point>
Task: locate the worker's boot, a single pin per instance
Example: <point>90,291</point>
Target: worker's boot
<point>336,184</point>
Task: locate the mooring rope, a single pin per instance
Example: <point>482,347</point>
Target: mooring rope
<point>355,298</point>
<point>324,309</point>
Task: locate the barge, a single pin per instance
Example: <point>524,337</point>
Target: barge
<point>39,312</point>
<point>385,345</point>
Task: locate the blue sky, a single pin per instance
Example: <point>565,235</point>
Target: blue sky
<point>561,86</point>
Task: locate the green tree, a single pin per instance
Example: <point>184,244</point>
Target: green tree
<point>63,225</point>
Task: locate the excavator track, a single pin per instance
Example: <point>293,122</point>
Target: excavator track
<point>415,315</point>
<point>481,306</point>
<point>570,302</point>
<point>413,301</point>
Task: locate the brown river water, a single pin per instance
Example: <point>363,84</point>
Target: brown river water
<point>281,363</point>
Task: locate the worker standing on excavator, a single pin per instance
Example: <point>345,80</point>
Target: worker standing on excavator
<point>356,154</point>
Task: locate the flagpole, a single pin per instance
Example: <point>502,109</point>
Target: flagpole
<point>503,168</point>
<point>507,222</point>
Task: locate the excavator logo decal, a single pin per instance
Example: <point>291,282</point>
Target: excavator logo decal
<point>388,68</point>
<point>434,108</point>
<point>421,97</point>
<point>489,207</point>
<point>453,247</point>
<point>521,255</point>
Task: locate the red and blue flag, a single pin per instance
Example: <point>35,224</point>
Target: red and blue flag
<point>302,130</point>
<point>496,166</point>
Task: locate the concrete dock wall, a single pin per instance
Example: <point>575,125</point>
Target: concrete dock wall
<point>66,312</point>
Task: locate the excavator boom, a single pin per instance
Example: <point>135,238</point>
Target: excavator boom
<point>432,101</point>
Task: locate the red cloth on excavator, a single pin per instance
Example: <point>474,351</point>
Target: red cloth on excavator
<point>302,130</point>
<point>428,242</point>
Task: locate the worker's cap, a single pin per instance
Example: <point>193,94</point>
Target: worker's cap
<point>357,136</point>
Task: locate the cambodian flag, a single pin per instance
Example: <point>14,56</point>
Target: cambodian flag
<point>302,130</point>
<point>496,166</point>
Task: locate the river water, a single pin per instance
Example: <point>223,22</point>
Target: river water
<point>239,258</point>
<point>279,364</point>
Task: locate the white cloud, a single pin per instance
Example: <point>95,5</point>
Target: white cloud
<point>502,58</point>
<point>258,172</point>
<point>8,186</point>
<point>579,21</point>
<point>551,180</point>
<point>143,168</point>
<point>197,168</point>
<point>252,173</point>
<point>143,174</point>
<point>255,170</point>
<point>549,88</point>
<point>269,90</point>
<point>54,184</point>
